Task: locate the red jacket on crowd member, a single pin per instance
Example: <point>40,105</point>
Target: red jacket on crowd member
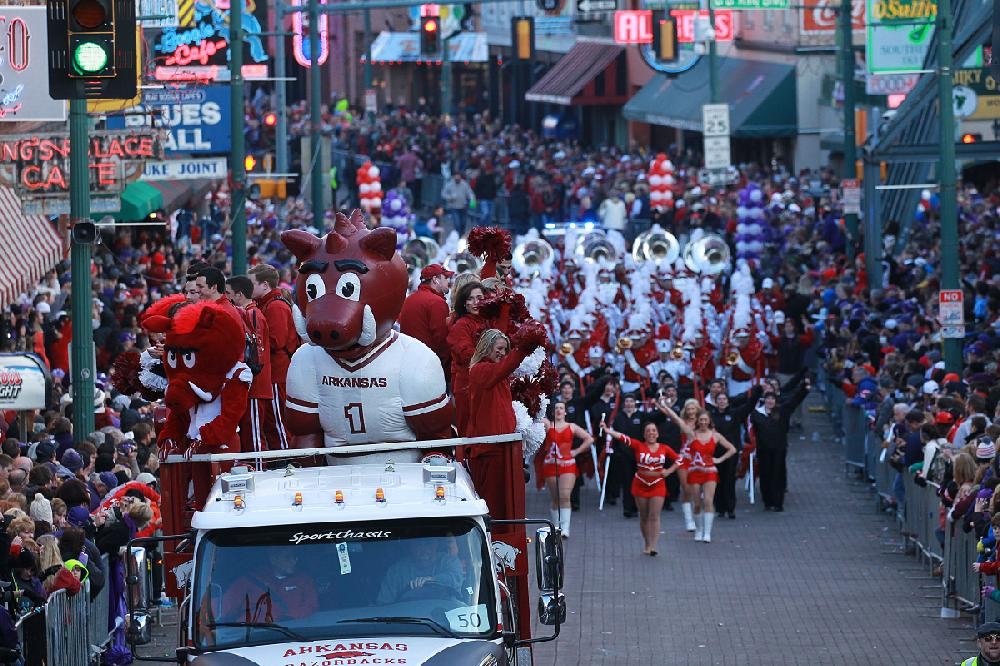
<point>425,317</point>
<point>283,337</point>
<point>255,321</point>
<point>490,400</point>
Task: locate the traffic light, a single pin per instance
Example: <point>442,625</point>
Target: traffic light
<point>522,37</point>
<point>969,137</point>
<point>664,37</point>
<point>249,162</point>
<point>92,49</point>
<point>430,36</point>
<point>270,119</point>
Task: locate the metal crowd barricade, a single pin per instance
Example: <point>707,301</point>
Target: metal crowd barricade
<point>855,429</point>
<point>881,471</point>
<point>961,584</point>
<point>100,607</point>
<point>31,636</point>
<point>835,400</point>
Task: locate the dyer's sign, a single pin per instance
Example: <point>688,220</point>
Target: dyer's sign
<point>196,118</point>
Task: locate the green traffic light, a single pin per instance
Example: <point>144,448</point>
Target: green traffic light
<point>90,57</point>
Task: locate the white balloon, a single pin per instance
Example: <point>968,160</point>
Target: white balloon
<point>396,205</point>
<point>655,195</point>
<point>364,188</point>
<point>756,196</point>
<point>654,180</point>
<point>376,186</point>
<point>373,172</point>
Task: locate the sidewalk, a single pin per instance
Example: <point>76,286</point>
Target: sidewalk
<point>825,582</point>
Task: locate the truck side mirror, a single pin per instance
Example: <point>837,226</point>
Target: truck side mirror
<point>548,560</point>
<point>552,608</point>
<point>137,578</point>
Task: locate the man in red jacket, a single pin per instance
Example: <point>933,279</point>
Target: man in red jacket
<point>425,312</point>
<point>283,340</point>
<point>239,290</point>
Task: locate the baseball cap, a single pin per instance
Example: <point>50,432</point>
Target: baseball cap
<point>930,387</point>
<point>779,317</point>
<point>146,478</point>
<point>433,271</point>
<point>987,628</point>
<point>72,461</point>
<point>767,283</point>
<point>944,418</point>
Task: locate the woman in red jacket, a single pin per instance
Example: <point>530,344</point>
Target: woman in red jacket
<point>463,334</point>
<point>492,413</point>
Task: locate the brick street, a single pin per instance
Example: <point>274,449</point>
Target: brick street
<point>825,582</point>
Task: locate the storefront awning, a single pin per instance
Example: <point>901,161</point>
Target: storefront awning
<point>139,199</point>
<point>399,47</point>
<point>591,73</point>
<point>761,97</point>
<point>29,246</point>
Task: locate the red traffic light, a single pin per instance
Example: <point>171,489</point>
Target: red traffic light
<point>271,119</point>
<point>90,14</point>
<point>970,138</point>
<point>430,26</point>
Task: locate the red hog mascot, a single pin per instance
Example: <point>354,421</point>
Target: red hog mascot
<point>357,380</point>
<point>207,381</point>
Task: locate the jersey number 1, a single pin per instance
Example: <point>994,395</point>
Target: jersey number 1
<point>355,415</point>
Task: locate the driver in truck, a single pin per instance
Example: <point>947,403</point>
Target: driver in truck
<point>422,575</point>
<point>274,590</point>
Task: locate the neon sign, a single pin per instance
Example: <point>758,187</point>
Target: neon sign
<point>40,165</point>
<point>299,36</point>
<point>206,42</point>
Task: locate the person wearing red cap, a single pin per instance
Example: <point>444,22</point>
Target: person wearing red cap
<point>425,312</point>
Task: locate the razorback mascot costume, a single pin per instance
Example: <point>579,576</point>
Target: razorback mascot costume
<point>207,383</point>
<point>358,381</point>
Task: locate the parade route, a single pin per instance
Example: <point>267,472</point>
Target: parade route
<point>825,582</point>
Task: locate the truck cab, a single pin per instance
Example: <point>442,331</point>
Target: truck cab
<point>362,563</point>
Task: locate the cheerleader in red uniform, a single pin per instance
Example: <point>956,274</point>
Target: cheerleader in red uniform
<point>702,474</point>
<point>686,422</point>
<point>559,465</point>
<point>648,485</point>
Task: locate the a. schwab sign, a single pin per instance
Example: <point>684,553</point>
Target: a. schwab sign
<point>197,118</point>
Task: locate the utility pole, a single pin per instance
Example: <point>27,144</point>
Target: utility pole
<point>368,49</point>
<point>280,92</point>
<point>81,306</point>
<point>238,215</point>
<point>850,149</point>
<point>952,347</point>
<point>713,62</point>
<point>446,101</point>
<point>315,95</point>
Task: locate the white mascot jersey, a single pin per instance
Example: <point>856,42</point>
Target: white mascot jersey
<point>368,399</point>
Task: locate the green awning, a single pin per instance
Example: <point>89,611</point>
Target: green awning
<point>761,96</point>
<point>138,200</point>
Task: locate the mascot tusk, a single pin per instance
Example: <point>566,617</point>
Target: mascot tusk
<point>204,395</point>
<point>368,328</point>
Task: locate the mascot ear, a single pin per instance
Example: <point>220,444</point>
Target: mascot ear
<point>381,242</point>
<point>207,318</point>
<point>156,324</point>
<point>302,243</point>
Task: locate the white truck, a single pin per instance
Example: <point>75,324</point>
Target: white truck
<point>358,563</point>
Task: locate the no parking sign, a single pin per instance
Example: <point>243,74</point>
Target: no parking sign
<point>951,313</point>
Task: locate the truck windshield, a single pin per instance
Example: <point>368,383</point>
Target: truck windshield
<point>418,577</point>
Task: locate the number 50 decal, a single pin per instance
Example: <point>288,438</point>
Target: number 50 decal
<point>355,414</point>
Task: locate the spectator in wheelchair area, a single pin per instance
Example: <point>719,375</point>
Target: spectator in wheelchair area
<point>430,571</point>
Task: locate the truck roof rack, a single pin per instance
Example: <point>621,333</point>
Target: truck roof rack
<point>347,450</point>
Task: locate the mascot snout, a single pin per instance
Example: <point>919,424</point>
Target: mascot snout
<point>354,327</point>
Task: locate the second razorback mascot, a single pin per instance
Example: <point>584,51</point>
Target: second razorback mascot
<point>358,381</point>
<point>207,380</point>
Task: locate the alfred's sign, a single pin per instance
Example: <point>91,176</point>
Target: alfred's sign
<point>39,165</point>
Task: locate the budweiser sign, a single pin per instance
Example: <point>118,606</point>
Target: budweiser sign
<point>818,17</point>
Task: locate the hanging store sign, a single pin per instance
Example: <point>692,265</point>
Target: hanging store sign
<point>300,36</point>
<point>633,26</point>
<point>24,67</point>
<point>210,168</point>
<point>898,35</point>
<point>819,17</point>
<point>24,382</point>
<point>165,12</point>
<point>976,94</point>
<point>688,18</point>
<point>39,165</point>
<point>196,118</point>
<point>200,51</point>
